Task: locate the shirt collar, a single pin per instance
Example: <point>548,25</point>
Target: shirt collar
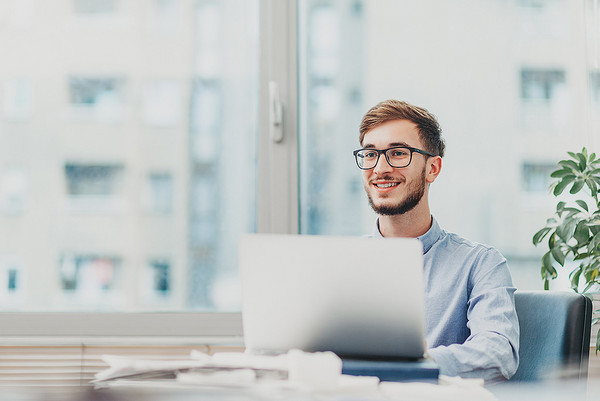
<point>428,239</point>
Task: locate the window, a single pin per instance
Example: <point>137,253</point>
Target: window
<point>139,168</point>
<point>94,187</point>
<point>331,106</point>
<point>159,198</point>
<point>17,99</point>
<point>503,96</point>
<point>536,176</point>
<point>13,189</point>
<point>544,19</point>
<point>541,84</point>
<point>203,119</point>
<point>158,284</point>
<point>90,280</point>
<point>11,280</point>
<point>97,98</point>
<point>546,103</point>
<point>93,180</point>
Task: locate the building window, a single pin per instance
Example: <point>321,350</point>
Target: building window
<point>11,280</point>
<point>159,196</point>
<point>206,121</point>
<point>536,176</point>
<point>545,97</point>
<point>541,84</point>
<point>161,277</point>
<point>93,180</point>
<point>89,278</point>
<point>13,190</point>
<point>97,98</point>
<point>17,99</point>
<point>543,19</point>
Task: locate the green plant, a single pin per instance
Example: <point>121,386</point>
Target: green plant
<point>574,230</point>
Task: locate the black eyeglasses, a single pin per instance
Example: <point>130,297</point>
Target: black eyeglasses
<point>397,157</point>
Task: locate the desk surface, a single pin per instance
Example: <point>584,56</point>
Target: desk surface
<point>392,391</point>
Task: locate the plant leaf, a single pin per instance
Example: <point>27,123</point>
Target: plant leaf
<point>582,161</point>
<point>582,204</point>
<point>581,233</point>
<point>587,287</point>
<point>592,186</point>
<point>548,271</point>
<point>562,184</point>
<point>577,186</point>
<point>565,230</point>
<point>558,255</point>
<point>575,274</point>
<point>560,173</point>
<point>570,164</point>
<point>581,256</point>
<point>595,241</point>
<point>539,236</point>
<point>551,240</point>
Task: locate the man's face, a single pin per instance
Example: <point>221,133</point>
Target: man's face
<point>393,191</point>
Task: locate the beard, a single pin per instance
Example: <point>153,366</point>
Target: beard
<point>414,196</point>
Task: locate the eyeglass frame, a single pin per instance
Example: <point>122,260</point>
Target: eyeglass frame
<point>384,152</point>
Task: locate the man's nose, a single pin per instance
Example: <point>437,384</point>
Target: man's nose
<point>382,165</point>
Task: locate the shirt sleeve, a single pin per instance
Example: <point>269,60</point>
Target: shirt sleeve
<point>491,351</point>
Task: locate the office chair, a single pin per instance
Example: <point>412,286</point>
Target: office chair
<point>555,335</point>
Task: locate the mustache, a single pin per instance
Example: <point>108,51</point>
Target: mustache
<point>387,178</point>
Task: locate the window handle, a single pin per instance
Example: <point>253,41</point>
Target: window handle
<point>275,113</point>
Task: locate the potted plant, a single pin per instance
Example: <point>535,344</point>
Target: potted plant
<point>573,233</point>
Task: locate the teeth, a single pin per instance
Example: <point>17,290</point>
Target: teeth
<point>391,184</point>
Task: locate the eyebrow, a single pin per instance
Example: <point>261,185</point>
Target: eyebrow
<point>391,145</point>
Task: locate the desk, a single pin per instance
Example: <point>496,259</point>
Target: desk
<point>556,391</point>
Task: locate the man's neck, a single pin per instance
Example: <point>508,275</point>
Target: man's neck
<point>409,225</point>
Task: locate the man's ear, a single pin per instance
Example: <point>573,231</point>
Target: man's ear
<point>434,166</point>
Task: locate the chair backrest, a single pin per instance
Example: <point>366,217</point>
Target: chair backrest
<point>555,335</point>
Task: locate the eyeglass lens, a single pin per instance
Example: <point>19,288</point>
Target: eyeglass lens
<point>396,157</point>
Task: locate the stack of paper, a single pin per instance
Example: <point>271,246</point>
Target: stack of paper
<point>320,371</point>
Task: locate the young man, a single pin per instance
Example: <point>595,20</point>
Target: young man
<point>470,320</point>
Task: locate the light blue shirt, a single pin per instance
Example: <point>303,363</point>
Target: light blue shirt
<point>471,326</point>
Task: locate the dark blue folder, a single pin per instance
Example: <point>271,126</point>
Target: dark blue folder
<point>394,371</point>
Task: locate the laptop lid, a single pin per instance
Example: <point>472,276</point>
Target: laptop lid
<point>355,296</point>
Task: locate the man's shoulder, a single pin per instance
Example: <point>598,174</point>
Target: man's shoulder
<point>458,242</point>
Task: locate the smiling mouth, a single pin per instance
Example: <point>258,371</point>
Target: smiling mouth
<point>386,185</point>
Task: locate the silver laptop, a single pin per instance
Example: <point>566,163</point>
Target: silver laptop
<point>358,297</point>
